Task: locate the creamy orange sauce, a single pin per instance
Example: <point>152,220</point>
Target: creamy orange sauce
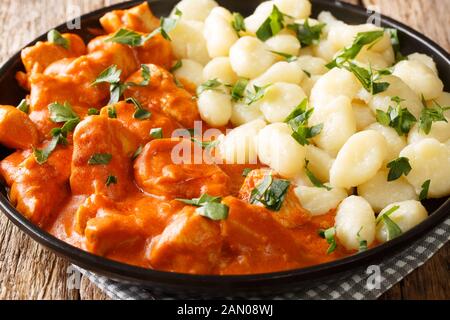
<point>137,220</point>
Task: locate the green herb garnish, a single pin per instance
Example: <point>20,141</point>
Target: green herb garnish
<point>24,106</point>
<point>329,235</point>
<point>100,158</point>
<point>53,36</point>
<point>424,191</point>
<point>307,34</point>
<point>156,133</point>
<point>111,180</point>
<point>272,25</point>
<point>398,167</point>
<point>398,118</point>
<point>270,193</point>
<point>314,180</point>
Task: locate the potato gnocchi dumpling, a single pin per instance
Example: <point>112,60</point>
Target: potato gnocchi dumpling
<point>355,222</point>
<point>359,159</point>
<point>190,70</point>
<point>397,88</point>
<point>219,33</point>
<point>395,143</point>
<point>280,72</point>
<point>215,107</point>
<point>278,150</point>
<point>285,44</point>
<point>220,69</point>
<point>279,101</point>
<point>420,78</point>
<point>380,192</point>
<point>188,41</point>
<point>241,144</point>
<point>242,113</point>
<point>250,57</point>
<point>339,124</point>
<point>408,214</point>
<point>320,162</point>
<point>195,9</point>
<point>319,201</point>
<point>429,160</point>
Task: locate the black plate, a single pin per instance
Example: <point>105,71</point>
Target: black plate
<point>412,41</point>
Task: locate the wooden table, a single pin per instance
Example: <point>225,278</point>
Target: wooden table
<point>28,271</point>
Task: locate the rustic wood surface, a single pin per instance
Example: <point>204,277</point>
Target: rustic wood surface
<point>28,271</point>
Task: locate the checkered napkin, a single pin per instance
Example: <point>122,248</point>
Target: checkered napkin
<point>357,286</point>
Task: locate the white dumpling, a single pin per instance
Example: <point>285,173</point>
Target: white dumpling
<point>339,124</point>
<point>280,72</point>
<point>243,113</point>
<point>320,162</point>
<point>299,9</point>
<point>439,131</point>
<point>215,107</point>
<point>355,222</point>
<point>409,214</point>
<point>279,100</point>
<point>195,9</point>
<point>430,160</point>
<point>220,69</point>
<point>420,78</point>
<point>380,192</point>
<point>278,150</point>
<point>337,82</point>
<point>359,159</point>
<point>312,65</point>
<point>308,83</point>
<point>397,87</point>
<point>284,43</point>
<point>241,144</point>
<point>395,143</point>
<point>190,70</point>
<point>219,33</point>
<point>319,201</point>
<point>188,42</point>
<point>426,60</point>
<point>250,57</point>
<point>363,115</point>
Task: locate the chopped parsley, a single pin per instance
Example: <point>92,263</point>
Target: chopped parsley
<point>24,106</point>
<point>307,34</point>
<point>212,84</point>
<point>176,66</point>
<point>298,121</point>
<point>270,192</point>
<point>53,36</point>
<point>111,180</point>
<point>237,91</point>
<point>424,191</point>
<point>430,115</point>
<point>156,133</point>
<point>209,206</point>
<point>238,22</point>
<point>329,235</point>
<point>398,167</point>
<point>314,180</point>
<point>100,158</point>
<point>272,25</point>
<point>140,112</point>
<point>255,94</point>
<point>398,118</point>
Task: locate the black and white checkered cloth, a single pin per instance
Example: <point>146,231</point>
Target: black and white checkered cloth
<point>357,286</point>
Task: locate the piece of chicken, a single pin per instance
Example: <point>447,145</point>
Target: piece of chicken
<point>17,131</point>
<point>291,214</point>
<point>190,243</point>
<point>162,92</point>
<point>167,168</point>
<point>141,127</point>
<point>139,18</point>
<point>99,135</point>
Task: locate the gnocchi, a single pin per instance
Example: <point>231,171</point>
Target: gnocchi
<point>250,57</point>
<point>429,160</point>
<point>409,214</point>
<point>220,69</point>
<point>380,192</point>
<point>190,70</point>
<point>279,101</point>
<point>278,150</point>
<point>320,201</point>
<point>355,222</point>
<point>195,9</point>
<point>215,107</point>
<point>359,159</point>
<point>427,84</point>
<point>219,33</point>
<point>240,146</point>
